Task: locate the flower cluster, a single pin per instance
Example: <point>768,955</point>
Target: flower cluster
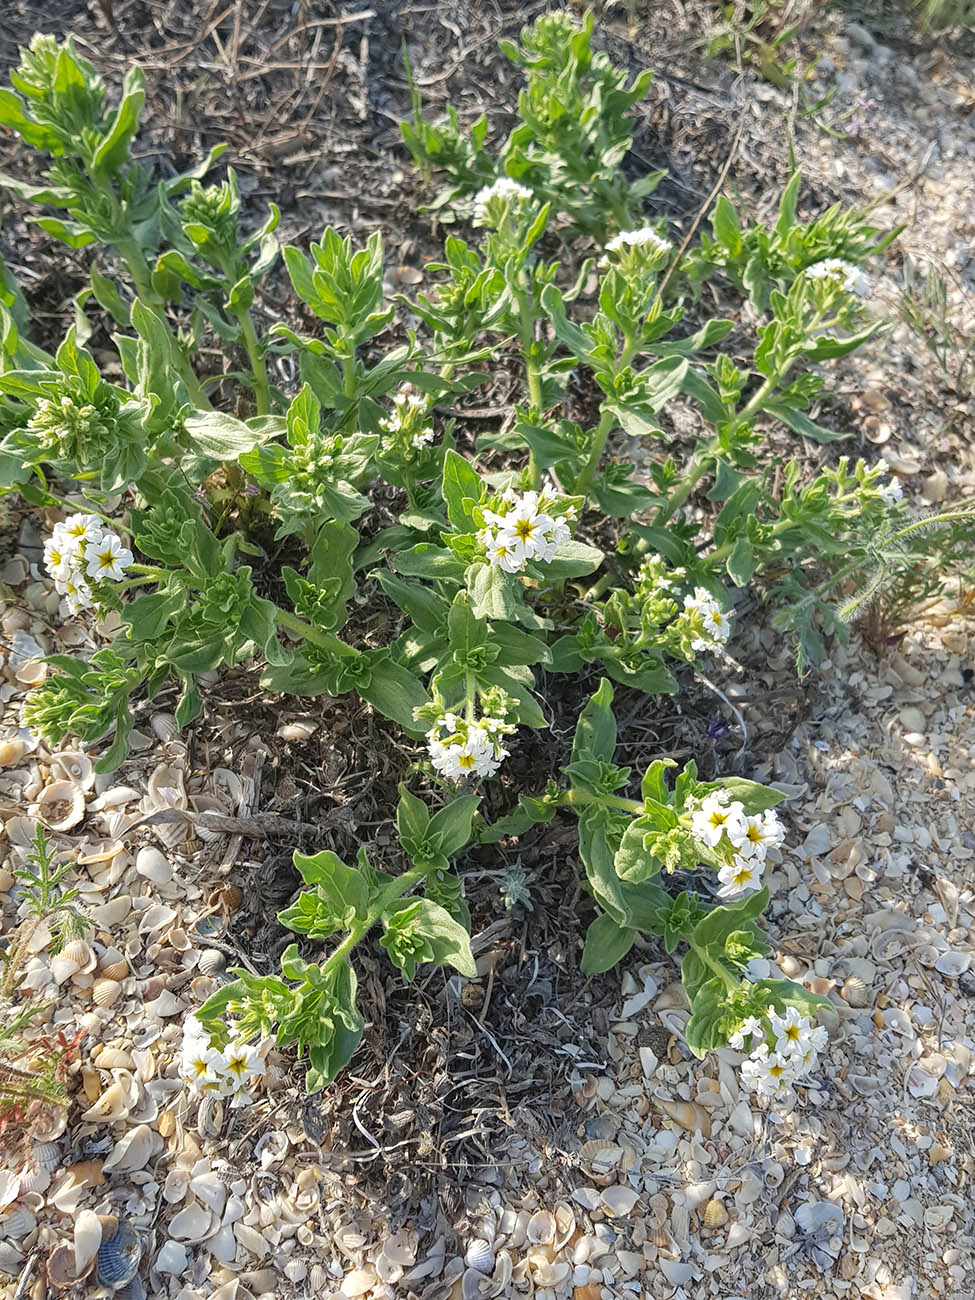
<point>227,1071</point>
<point>710,622</point>
<point>522,529</point>
<point>81,551</point>
<point>744,841</point>
<point>645,238</point>
<point>490,202</point>
<point>408,418</point>
<point>460,748</point>
<point>782,1049</point>
<point>850,277</point>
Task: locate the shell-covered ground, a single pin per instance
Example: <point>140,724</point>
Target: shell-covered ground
<point>525,1133</point>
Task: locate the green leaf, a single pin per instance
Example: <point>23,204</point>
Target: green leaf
<point>595,733</point>
<point>426,560</point>
<point>396,692</point>
<point>724,222</point>
<point>741,562</point>
<point>787,205</point>
<point>72,233</point>
<point>423,931</point>
<point>223,437</point>
<point>453,823</point>
<point>800,423</point>
<point>713,930</point>
<point>114,148</point>
<point>461,483</point>
<point>704,1029</point>
<point>342,889</point>
<point>494,593</point>
<point>606,944</point>
<point>755,798</point>
<point>597,857</point>
<point>572,560</point>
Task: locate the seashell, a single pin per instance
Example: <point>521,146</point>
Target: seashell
<point>133,1290</point>
<point>888,945</point>
<point>32,673</point>
<point>118,1257</point>
<point>820,1218</point>
<point>620,1200</point>
<point>209,1118</point>
<point>176,1186</point>
<point>480,1255</point>
<point>60,1268</point>
<point>134,1150</point>
<point>952,964</point>
<point>116,797</point>
<point>12,751</point>
<point>62,968</point>
<point>113,965</point>
<point>565,1224</point>
<point>472,1287</point>
<point>387,1271</point>
<point>192,1224</point>
<point>271,1147</point>
<point>209,1188</point>
<point>501,1277</point>
<point>46,1155</point>
<point>87,1239</point>
<point>541,1228</point>
<point>61,806</point>
<point>715,1214</point>
<point>172,1258</point>
<point>897,1019</point>
<point>164,727</point>
<point>73,765</point>
<point>81,953</point>
<point>117,1100</point>
<point>151,864</point>
<point>211,962</point>
<point>106,992</point>
<point>688,1114</point>
<point>18,1223</point>
<point>855,992</point>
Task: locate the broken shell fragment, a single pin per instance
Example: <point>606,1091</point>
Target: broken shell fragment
<point>73,765</point>
<point>61,806</point>
<point>60,1268</point>
<point>87,1239</point>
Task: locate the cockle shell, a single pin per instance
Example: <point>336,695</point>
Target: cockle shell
<point>541,1228</point>
<point>715,1214</point>
<point>952,964</point>
<point>61,806</point>
<point>60,1268</point>
<point>151,864</point>
<point>73,765</point>
<point>118,1257</point>
<point>113,965</point>
<point>18,1223</point>
<point>211,962</point>
<point>855,992</point>
<point>479,1255</point>
<point>106,992</point>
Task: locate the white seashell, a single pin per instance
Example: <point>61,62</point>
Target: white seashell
<point>473,1285</point>
<point>46,1155</point>
<point>106,992</point>
<point>209,1118</point>
<point>897,1019</point>
<point>210,1189</point>
<point>134,1150</point>
<point>18,1223</point>
<point>501,1277</point>
<point>149,862</point>
<point>156,917</point>
<point>73,765</point>
<point>172,1258</point>
<point>12,751</point>
<point>211,962</point>
<point>620,1200</point>
<point>675,1271</point>
<point>479,1255</point>
<point>32,673</point>
<point>62,968</point>
<point>164,727</point>
<point>867,1085</point>
<point>952,964</point>
<point>81,953</point>
<point>115,797</point>
<point>192,1224</point>
<point>271,1147</point>
<point>541,1228</point>
<point>117,1100</point>
<point>920,1083</point>
<point>87,1239</point>
<point>821,1218</point>
<point>176,1186</point>
<point>61,806</point>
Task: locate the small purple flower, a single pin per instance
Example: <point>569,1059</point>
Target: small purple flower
<point>251,490</point>
<point>201,496</point>
<point>717,728</point>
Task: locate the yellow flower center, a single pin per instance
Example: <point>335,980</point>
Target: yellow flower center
<point>776,1071</point>
<point>792,1033</point>
<point>524,529</point>
<point>466,760</point>
<point>237,1065</point>
<point>754,834</point>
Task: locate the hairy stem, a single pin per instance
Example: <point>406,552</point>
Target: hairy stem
<point>262,391</point>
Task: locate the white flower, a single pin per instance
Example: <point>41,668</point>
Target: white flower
<point>739,875</point>
<point>423,438</point>
<point>749,1028</point>
<point>82,528</point>
<point>716,623</point>
<point>795,1036</point>
<point>716,816</point>
<point>201,1064</point>
<point>107,558</point>
<point>503,188</point>
<point>891,493</point>
<point>645,237</point>
<point>242,1063</point>
<point>501,551</point>
<point>524,531</point>
<point>851,278</point>
<point>60,555</point>
<point>470,749</point>
<point>753,836</point>
<point>767,1072</point>
<point>75,590</point>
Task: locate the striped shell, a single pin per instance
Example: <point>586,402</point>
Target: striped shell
<point>118,1258</point>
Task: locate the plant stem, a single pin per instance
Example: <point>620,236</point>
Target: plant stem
<point>326,640</point>
<point>395,889</point>
<point>583,483</point>
<point>262,392</point>
<point>532,374</point>
<point>683,492</point>
<point>583,797</point>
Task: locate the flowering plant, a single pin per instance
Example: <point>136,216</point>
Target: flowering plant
<point>529,549</point>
